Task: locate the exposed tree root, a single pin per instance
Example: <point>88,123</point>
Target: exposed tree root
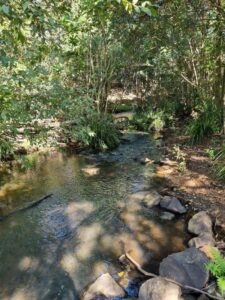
<point>139,268</point>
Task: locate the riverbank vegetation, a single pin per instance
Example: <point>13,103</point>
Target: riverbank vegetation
<point>63,60</point>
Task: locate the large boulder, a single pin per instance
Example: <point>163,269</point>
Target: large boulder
<point>200,223</point>
<point>106,286</point>
<point>149,198</point>
<point>159,289</point>
<point>172,204</point>
<point>186,267</point>
<point>202,240</point>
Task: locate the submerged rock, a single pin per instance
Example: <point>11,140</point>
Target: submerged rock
<point>186,267</point>
<point>172,204</point>
<point>91,170</point>
<point>159,289</point>
<point>146,161</point>
<point>149,198</point>
<point>202,240</point>
<point>167,216</point>
<point>200,223</point>
<point>104,286</point>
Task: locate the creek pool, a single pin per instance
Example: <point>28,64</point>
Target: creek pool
<point>54,250</point>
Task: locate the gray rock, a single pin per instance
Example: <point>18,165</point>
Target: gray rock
<point>159,289</point>
<point>106,286</point>
<point>200,223</point>
<point>202,240</point>
<point>186,267</point>
<point>167,216</point>
<point>149,198</point>
<point>172,204</point>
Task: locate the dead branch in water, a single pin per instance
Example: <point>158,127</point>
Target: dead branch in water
<point>139,268</point>
<point>31,205</point>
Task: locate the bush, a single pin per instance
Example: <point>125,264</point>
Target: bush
<point>6,148</point>
<point>97,131</point>
<point>217,268</point>
<point>205,124</point>
<point>149,120</point>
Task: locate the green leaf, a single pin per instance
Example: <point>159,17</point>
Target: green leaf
<point>147,11</point>
<point>25,5</point>
<point>5,9</point>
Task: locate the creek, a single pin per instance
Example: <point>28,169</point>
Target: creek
<point>54,250</point>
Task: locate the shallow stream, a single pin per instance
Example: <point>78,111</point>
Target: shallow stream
<point>54,250</point>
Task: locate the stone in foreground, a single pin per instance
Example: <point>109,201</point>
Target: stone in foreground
<point>159,289</point>
<point>200,223</point>
<point>202,240</point>
<point>149,198</point>
<point>106,286</point>
<point>186,267</point>
<point>172,204</point>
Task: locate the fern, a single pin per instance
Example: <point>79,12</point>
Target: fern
<point>217,269</point>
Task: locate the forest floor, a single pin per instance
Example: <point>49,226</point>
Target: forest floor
<point>196,183</point>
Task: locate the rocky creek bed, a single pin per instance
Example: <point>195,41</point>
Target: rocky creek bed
<point>106,224</point>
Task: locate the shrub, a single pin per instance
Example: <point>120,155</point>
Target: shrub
<point>217,268</point>
<point>97,131</point>
<point>205,124</point>
<point>6,148</point>
<point>149,120</point>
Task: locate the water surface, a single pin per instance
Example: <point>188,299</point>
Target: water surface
<point>54,250</point>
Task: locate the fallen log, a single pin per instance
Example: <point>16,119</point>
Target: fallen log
<point>148,274</point>
<point>31,205</point>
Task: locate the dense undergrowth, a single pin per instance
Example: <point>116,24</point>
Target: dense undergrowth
<point>62,60</point>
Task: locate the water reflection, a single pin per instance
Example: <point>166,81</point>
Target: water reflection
<point>54,250</point>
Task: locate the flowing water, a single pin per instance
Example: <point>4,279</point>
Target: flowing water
<point>54,250</point>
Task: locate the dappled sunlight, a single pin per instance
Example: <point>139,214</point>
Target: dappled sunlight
<point>11,187</point>
<point>20,294</point>
<point>91,170</point>
<point>28,263</point>
<point>69,263</point>
<point>89,237</point>
<point>77,212</point>
<point>88,223</point>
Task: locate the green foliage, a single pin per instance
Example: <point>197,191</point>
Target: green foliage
<point>6,148</point>
<point>206,122</point>
<point>217,268</point>
<point>149,120</point>
<point>220,164</point>
<point>98,132</point>
<point>211,153</point>
<point>180,157</point>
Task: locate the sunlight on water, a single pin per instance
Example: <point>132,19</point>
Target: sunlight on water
<point>54,250</point>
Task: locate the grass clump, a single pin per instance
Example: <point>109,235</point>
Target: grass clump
<point>206,122</point>
<point>6,148</point>
<point>97,131</point>
<point>217,269</point>
<point>149,120</point>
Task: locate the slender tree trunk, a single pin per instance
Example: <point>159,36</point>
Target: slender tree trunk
<point>219,78</point>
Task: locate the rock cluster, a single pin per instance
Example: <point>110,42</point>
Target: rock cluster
<point>201,225</point>
<point>153,198</point>
<point>186,267</point>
